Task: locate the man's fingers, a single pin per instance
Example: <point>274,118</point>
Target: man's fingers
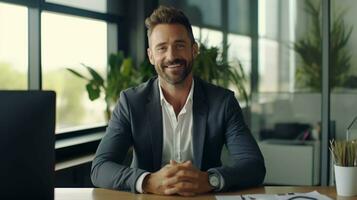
<point>176,179</point>
<point>182,175</point>
<point>170,181</point>
<point>180,178</point>
<point>179,173</point>
<point>173,162</point>
<point>187,163</point>
<point>186,187</point>
<point>185,173</point>
<point>171,171</point>
<point>182,187</point>
<point>170,191</point>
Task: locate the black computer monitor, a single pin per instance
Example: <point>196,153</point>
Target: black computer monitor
<point>27,132</point>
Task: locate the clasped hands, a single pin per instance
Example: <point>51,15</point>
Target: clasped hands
<point>177,178</point>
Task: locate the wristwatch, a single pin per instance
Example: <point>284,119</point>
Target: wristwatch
<point>214,180</point>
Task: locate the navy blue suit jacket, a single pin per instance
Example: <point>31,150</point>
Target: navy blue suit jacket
<point>137,122</point>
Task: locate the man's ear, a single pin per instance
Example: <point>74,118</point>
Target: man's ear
<point>151,58</point>
<point>195,49</point>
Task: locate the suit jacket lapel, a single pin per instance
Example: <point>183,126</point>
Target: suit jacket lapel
<point>199,123</point>
<point>154,121</point>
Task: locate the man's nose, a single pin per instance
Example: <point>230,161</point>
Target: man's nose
<point>171,54</point>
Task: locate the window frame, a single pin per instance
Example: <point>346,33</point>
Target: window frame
<point>35,8</point>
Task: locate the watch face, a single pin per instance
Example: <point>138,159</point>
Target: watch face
<point>214,181</point>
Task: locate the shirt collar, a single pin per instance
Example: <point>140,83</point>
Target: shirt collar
<point>189,97</point>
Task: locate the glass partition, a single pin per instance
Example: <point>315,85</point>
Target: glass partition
<point>286,113</point>
<point>343,67</point>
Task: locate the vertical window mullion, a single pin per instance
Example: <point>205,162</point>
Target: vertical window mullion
<point>34,48</point>
<point>225,28</point>
<point>112,38</point>
<point>254,81</point>
<point>325,95</point>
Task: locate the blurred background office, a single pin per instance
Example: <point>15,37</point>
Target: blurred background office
<point>279,44</point>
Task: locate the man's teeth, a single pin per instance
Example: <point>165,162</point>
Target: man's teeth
<point>173,66</point>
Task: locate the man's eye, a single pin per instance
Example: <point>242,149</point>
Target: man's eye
<point>180,46</point>
<point>160,49</point>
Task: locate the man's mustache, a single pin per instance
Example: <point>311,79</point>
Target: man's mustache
<point>175,62</point>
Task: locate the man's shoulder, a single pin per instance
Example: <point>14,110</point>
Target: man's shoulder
<point>141,92</point>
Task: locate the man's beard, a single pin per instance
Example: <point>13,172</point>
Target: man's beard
<point>180,76</point>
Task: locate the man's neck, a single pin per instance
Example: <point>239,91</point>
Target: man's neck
<point>176,94</point>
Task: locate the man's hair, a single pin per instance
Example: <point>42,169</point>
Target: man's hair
<point>168,15</point>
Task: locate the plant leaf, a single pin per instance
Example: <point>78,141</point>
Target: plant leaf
<point>77,74</point>
<point>126,67</point>
<point>93,90</point>
<point>95,75</point>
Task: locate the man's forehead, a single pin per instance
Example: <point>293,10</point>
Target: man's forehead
<point>169,33</point>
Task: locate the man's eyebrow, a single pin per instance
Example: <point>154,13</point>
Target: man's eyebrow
<point>164,43</point>
<point>180,41</point>
<point>160,44</point>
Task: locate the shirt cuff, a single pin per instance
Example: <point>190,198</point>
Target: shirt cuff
<point>139,182</point>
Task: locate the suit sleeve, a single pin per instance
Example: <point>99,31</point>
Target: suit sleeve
<point>107,169</point>
<point>248,168</point>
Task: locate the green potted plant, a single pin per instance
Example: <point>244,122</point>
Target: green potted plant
<point>309,73</point>
<point>210,66</point>
<point>121,74</point>
<point>344,154</point>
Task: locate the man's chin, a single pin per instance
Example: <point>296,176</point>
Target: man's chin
<point>175,77</point>
<point>175,80</point>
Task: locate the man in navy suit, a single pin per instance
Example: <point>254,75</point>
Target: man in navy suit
<point>177,125</point>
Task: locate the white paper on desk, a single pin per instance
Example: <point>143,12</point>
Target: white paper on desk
<point>291,196</point>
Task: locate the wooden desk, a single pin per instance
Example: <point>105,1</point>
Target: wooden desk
<point>104,194</point>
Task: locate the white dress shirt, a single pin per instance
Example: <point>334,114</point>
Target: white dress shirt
<point>177,133</point>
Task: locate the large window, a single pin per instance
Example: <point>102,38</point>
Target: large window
<point>39,40</point>
<point>239,47</point>
<point>239,51</point>
<point>70,42</point>
<point>212,38</point>
<point>268,65</point>
<point>13,46</point>
<point>277,30</point>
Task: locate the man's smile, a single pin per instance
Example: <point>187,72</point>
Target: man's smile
<point>175,66</point>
